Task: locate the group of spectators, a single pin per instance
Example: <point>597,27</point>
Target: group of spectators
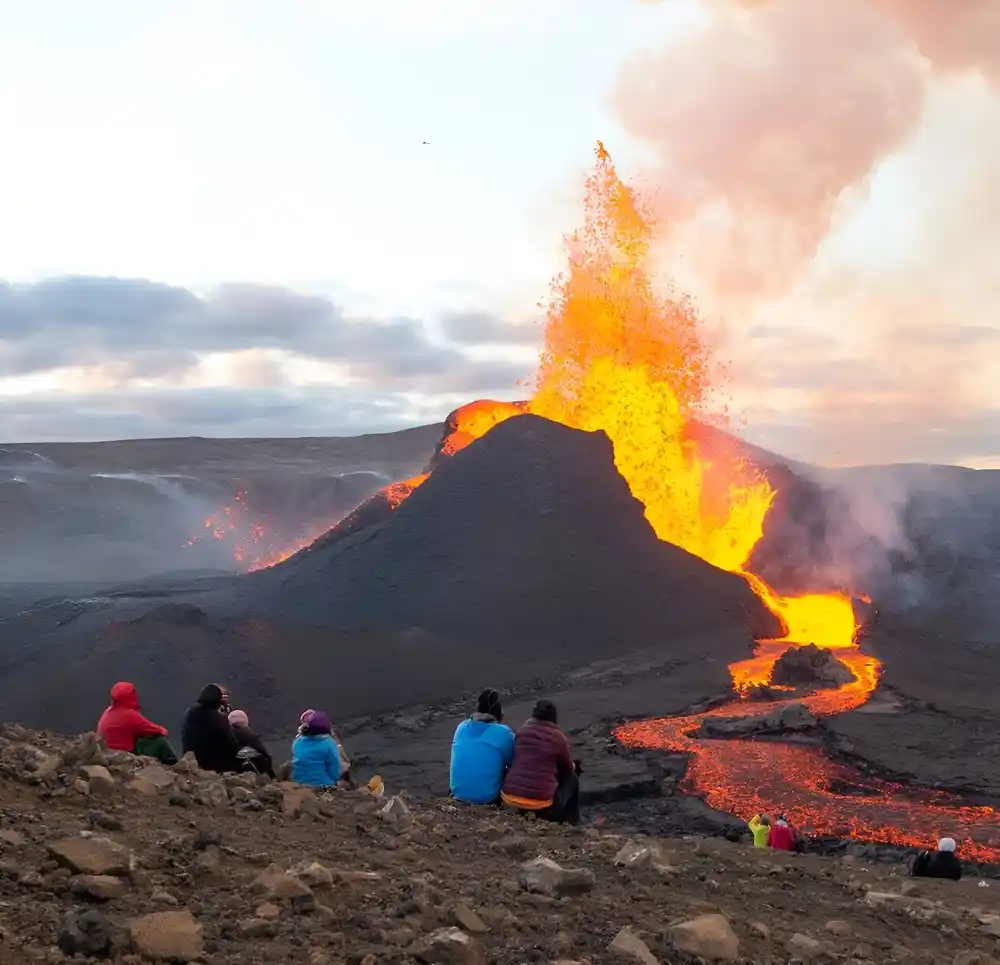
<point>221,739</point>
<point>532,770</point>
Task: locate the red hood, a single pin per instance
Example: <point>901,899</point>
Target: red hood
<point>124,694</point>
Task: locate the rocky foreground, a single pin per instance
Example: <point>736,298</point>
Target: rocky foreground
<point>106,856</point>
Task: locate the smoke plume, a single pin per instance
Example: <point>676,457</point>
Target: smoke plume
<point>826,175</point>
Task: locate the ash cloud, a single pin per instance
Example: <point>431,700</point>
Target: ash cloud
<point>827,172</point>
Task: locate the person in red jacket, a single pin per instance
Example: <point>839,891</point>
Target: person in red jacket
<point>123,728</point>
<point>543,777</point>
<point>781,837</point>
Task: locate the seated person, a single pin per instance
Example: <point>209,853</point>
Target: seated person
<point>315,758</point>
<point>252,755</point>
<point>207,734</point>
<point>345,764</point>
<point>123,728</point>
<point>481,751</point>
<point>942,863</point>
<point>760,828</point>
<point>543,778</point>
<point>781,837</point>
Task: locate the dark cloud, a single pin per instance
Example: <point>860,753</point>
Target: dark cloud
<point>137,328</point>
<point>484,328</point>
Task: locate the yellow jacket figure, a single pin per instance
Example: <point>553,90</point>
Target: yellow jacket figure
<point>759,827</point>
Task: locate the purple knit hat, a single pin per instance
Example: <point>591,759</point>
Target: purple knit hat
<point>319,721</point>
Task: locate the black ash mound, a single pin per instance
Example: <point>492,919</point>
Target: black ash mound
<point>523,555</point>
<point>529,539</point>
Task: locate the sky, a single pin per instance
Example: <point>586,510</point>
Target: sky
<point>252,219</point>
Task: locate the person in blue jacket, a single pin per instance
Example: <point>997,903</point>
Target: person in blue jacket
<point>481,752</point>
<point>315,755</point>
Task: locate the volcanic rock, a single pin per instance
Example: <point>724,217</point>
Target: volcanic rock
<point>545,877</point>
<point>91,856</point>
<point>788,718</point>
<point>708,936</point>
<point>803,947</point>
<point>173,936</point>
<point>98,887</point>
<point>448,946</point>
<point>276,884</point>
<point>634,855</point>
<point>809,665</point>
<point>627,944</point>
<point>84,933</point>
<point>98,778</point>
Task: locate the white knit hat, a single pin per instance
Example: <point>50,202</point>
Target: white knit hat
<point>946,844</point>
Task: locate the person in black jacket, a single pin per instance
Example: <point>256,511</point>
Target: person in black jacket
<point>252,755</point>
<point>207,734</point>
<point>942,863</point>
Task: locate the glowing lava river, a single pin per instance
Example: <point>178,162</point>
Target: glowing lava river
<point>620,358</point>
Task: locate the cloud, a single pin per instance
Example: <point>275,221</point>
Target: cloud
<point>131,329</point>
<point>484,328</point>
<point>131,357</point>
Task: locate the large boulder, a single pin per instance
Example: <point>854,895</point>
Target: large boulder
<point>710,937</point>
<point>543,876</point>
<point>784,719</point>
<point>167,936</point>
<point>91,856</point>
<point>809,666</point>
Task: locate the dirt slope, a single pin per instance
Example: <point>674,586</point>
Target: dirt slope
<point>90,848</point>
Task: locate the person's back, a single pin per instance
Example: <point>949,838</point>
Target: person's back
<point>207,733</point>
<point>252,754</point>
<point>543,775</point>
<point>760,828</point>
<point>122,726</point>
<point>481,751</point>
<point>942,863</point>
<point>315,755</point>
<point>781,837</point>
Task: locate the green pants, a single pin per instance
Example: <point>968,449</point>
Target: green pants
<point>158,747</point>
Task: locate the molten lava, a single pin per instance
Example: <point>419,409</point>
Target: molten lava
<point>620,358</point>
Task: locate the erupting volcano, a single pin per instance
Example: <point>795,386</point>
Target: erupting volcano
<point>621,358</point>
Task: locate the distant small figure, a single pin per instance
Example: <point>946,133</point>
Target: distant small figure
<point>315,756</point>
<point>781,837</point>
<point>942,863</point>
<point>481,752</point>
<point>543,778</point>
<point>123,728</point>
<point>760,828</point>
<point>207,734</point>
<point>252,755</point>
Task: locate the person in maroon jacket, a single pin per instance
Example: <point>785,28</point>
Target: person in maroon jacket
<point>543,777</point>
<point>782,836</point>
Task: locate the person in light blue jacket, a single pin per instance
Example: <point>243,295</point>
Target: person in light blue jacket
<point>315,755</point>
<point>481,752</point>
